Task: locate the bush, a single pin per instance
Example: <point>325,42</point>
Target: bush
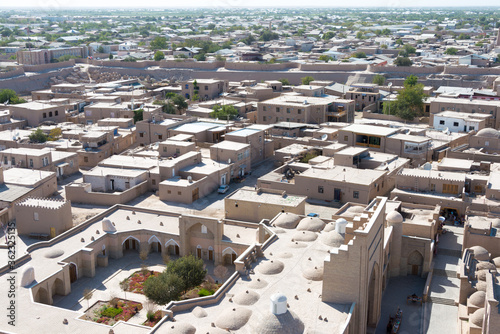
<point>205,292</point>
<point>111,312</point>
<point>38,136</point>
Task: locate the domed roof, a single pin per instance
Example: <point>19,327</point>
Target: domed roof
<point>285,255</point>
<point>329,227</point>
<point>287,322</point>
<point>199,312</point>
<point>477,299</point>
<point>480,253</point>
<point>488,133</point>
<point>485,265</point>
<point>247,297</point>
<point>394,217</point>
<point>496,262</point>
<point>107,226</point>
<point>313,224</point>
<point>313,273</point>
<point>477,317</point>
<point>53,253</point>
<point>27,276</point>
<point>278,298</point>
<point>481,286</point>
<point>305,236</point>
<point>257,283</point>
<point>233,318</point>
<point>296,244</point>
<point>207,329</point>
<point>272,267</point>
<point>287,220</point>
<point>177,328</point>
<point>332,238</point>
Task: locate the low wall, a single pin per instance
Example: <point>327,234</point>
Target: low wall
<point>13,73</point>
<point>465,70</point>
<point>200,65</point>
<point>79,195</point>
<point>48,67</point>
<point>406,70</point>
<point>26,84</point>
<point>254,66</point>
<point>333,67</point>
<point>127,64</point>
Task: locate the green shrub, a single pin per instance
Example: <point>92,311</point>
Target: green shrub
<point>111,312</point>
<point>205,292</point>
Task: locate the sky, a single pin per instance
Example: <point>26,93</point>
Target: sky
<point>62,4</point>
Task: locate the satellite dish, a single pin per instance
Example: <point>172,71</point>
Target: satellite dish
<point>190,179</point>
<point>324,137</point>
<point>390,84</point>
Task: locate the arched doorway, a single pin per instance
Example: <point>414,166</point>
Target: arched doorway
<point>172,247</point>
<point>210,253</point>
<point>415,262</point>
<point>42,296</point>
<point>198,252</point>
<point>373,287</point>
<point>130,243</point>
<point>73,272</point>
<point>155,245</point>
<point>103,252</point>
<point>229,256</point>
<point>58,287</point>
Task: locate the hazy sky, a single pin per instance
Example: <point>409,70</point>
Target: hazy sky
<point>59,4</point>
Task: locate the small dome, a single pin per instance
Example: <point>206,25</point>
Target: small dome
<point>247,297</point>
<point>488,133</point>
<point>278,298</point>
<point>305,236</point>
<point>329,227</point>
<point>233,318</point>
<point>313,273</point>
<point>312,224</point>
<point>296,244</point>
<point>53,253</point>
<point>107,226</point>
<point>481,274</point>
<point>496,262</point>
<point>477,299</point>
<point>355,209</point>
<point>207,329</point>
<point>480,253</point>
<point>199,312</point>
<point>287,322</point>
<point>485,265</point>
<point>285,255</point>
<point>272,267</point>
<point>394,217</point>
<point>257,283</point>
<point>27,276</point>
<point>481,286</point>
<point>332,238</point>
<point>477,317</point>
<point>287,220</point>
<point>177,328</point>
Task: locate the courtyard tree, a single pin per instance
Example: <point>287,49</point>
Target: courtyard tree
<point>10,96</point>
<point>179,102</point>
<point>158,43</point>
<point>159,56</point>
<point>163,288</point>
<point>284,82</point>
<point>307,80</point>
<point>410,80</point>
<point>409,102</point>
<point>451,51</point>
<point>189,269</point>
<point>378,79</point>
<point>403,61</point>
<point>38,136</point>
<point>224,112</point>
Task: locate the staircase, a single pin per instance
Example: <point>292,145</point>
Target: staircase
<point>442,301</point>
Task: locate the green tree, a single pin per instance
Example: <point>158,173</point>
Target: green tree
<point>189,269</point>
<point>328,35</point>
<point>179,102</point>
<point>200,57</point>
<point>158,43</point>
<point>307,80</point>
<point>268,36</point>
<point>410,80</point>
<point>38,136</point>
<point>159,56</point>
<point>55,134</point>
<point>100,49</point>
<point>110,56</point>
<point>224,112</point>
<point>10,96</point>
<point>284,82</point>
<point>359,54</point>
<point>403,61</point>
<point>163,288</point>
<point>138,115</point>
<point>407,50</point>
<point>325,58</point>
<point>379,79</point>
<point>359,35</point>
<point>451,51</point>
<point>408,104</point>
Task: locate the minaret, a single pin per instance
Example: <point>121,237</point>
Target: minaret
<point>498,38</point>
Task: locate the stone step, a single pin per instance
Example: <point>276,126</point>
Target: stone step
<point>442,301</point>
<point>444,272</point>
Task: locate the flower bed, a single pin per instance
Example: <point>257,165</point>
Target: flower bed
<point>153,320</point>
<point>112,311</point>
<point>137,279</point>
<point>205,289</point>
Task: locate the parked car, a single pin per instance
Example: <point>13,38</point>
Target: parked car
<point>312,214</point>
<point>223,189</point>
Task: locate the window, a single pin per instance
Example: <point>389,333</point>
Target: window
<point>299,111</point>
<point>264,119</point>
<point>44,115</point>
<point>277,109</point>
<point>187,86</point>
<point>50,113</point>
<point>442,108</point>
<point>450,189</point>
<point>153,182</point>
<point>31,163</point>
<point>179,193</point>
<point>320,189</point>
<point>203,229</point>
<point>56,112</point>
<point>5,160</point>
<point>160,137</point>
<point>164,149</point>
<point>177,151</point>
<point>260,139</point>
<point>486,143</point>
<point>169,191</point>
<point>85,159</point>
<point>264,108</point>
<point>206,87</point>
<point>441,122</point>
<point>433,187</point>
<point>35,216</point>
<point>287,110</point>
<point>471,128</point>
<point>455,123</point>
<point>13,161</point>
<point>346,138</point>
<point>355,194</point>
<point>141,134</point>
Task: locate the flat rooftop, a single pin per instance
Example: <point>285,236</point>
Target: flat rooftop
<point>196,127</point>
<point>25,177</point>
<point>251,195</point>
<point>110,171</point>
<point>370,130</point>
<point>434,174</point>
<point>230,145</point>
<point>243,132</point>
<point>342,173</point>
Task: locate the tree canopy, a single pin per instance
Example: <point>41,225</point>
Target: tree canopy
<point>409,102</point>
<point>451,51</point>
<point>224,112</point>
<point>189,269</point>
<point>378,79</point>
<point>284,82</point>
<point>10,96</point>
<point>38,136</point>
<point>403,61</point>
<point>163,288</point>
<point>158,43</point>
<point>159,56</point>
<point>307,80</point>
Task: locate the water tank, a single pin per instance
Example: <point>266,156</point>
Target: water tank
<point>340,225</point>
<point>278,304</point>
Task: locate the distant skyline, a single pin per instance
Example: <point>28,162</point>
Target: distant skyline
<point>159,4</point>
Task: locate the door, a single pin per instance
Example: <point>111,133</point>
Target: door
<point>210,254</point>
<point>52,232</point>
<point>72,273</point>
<point>465,128</point>
<point>414,269</point>
<point>198,253</point>
<point>336,194</point>
<point>195,194</point>
<point>112,184</point>
<point>223,179</point>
